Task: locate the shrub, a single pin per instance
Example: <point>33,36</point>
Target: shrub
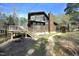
<point>43,40</point>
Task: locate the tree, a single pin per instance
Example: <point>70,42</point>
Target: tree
<point>72,10</point>
<point>10,20</point>
<point>23,21</point>
<point>62,19</point>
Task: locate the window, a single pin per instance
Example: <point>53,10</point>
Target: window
<point>43,23</point>
<point>37,23</point>
<point>32,17</point>
<point>34,23</point>
<point>39,18</point>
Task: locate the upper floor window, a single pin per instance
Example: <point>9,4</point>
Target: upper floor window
<point>32,17</point>
<point>37,18</point>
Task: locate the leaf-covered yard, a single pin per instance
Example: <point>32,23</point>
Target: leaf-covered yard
<point>67,44</point>
<point>59,44</point>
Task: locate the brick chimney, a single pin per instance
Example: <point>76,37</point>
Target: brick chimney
<point>52,26</point>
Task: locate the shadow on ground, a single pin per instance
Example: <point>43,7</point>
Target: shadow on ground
<point>23,47</point>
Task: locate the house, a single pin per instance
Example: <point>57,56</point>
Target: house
<point>2,28</point>
<point>2,24</point>
<point>41,22</point>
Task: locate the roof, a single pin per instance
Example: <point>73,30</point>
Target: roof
<point>37,13</point>
<point>16,28</point>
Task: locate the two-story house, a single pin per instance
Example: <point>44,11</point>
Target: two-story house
<point>40,22</point>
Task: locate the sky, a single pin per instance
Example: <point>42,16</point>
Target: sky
<point>22,9</point>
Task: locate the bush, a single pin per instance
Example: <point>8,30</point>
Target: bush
<point>43,40</point>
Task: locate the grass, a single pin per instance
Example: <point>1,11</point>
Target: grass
<point>67,44</point>
<point>4,38</point>
<point>44,36</point>
<point>43,40</point>
<point>40,46</point>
